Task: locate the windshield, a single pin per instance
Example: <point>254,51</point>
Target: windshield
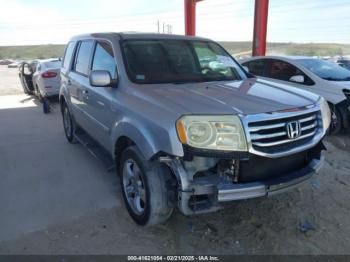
<point>326,70</point>
<point>178,61</point>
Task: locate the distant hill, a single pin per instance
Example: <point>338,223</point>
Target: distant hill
<point>237,48</point>
<point>31,51</point>
<point>311,49</point>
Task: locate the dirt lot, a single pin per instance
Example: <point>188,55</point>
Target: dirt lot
<point>9,81</point>
<point>55,198</point>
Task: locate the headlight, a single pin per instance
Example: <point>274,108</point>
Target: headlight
<point>326,114</point>
<point>212,132</point>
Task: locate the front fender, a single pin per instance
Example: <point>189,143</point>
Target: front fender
<point>150,140</point>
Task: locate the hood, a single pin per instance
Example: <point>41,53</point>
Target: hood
<point>250,96</point>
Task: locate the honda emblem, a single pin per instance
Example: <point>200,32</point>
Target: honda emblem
<point>293,129</point>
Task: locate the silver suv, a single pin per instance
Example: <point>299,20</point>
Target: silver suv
<point>186,125</point>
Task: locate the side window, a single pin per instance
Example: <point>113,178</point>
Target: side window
<point>104,58</point>
<point>38,68</point>
<point>256,67</point>
<point>282,70</point>
<point>68,55</point>
<point>82,59</point>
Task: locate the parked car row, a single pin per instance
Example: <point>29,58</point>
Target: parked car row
<point>186,126</point>
<point>321,77</point>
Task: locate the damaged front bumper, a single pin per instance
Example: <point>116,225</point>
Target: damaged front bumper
<point>205,194</point>
<point>270,187</point>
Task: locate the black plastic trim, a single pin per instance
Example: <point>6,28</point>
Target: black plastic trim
<point>190,152</point>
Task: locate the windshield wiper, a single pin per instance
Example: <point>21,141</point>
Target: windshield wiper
<point>336,79</point>
<point>331,79</point>
<point>186,82</point>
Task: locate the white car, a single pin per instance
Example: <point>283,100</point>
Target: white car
<point>321,77</point>
<point>46,78</point>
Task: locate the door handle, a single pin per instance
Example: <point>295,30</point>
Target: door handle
<point>86,94</point>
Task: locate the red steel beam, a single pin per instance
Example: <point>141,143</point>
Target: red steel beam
<point>260,27</point>
<point>190,17</point>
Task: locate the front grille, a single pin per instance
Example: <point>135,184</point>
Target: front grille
<point>259,168</point>
<point>271,135</point>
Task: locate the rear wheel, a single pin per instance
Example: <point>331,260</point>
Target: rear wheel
<point>144,188</point>
<point>68,124</point>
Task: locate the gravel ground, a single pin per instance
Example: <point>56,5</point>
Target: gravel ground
<point>311,219</point>
<point>9,81</point>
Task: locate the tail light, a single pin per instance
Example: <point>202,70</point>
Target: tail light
<point>49,74</point>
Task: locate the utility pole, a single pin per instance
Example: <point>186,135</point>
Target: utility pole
<point>167,28</point>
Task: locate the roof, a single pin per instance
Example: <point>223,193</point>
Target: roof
<point>136,35</point>
<point>286,57</point>
<point>49,60</point>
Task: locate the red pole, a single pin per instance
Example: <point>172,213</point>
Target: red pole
<point>260,27</point>
<point>190,17</point>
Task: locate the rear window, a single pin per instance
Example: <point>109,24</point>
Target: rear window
<point>83,57</point>
<point>53,64</point>
<point>68,55</point>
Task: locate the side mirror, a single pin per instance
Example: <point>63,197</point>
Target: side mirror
<point>297,79</point>
<point>100,78</point>
<point>246,68</point>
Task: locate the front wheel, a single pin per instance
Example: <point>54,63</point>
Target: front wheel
<point>68,124</point>
<point>144,188</point>
<point>336,120</point>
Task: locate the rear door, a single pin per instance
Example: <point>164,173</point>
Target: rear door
<point>78,82</point>
<point>36,75</point>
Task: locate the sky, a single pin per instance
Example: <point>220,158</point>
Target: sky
<point>27,22</point>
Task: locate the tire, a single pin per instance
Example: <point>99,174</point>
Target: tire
<point>145,191</point>
<point>336,120</point>
<point>40,97</point>
<point>68,124</point>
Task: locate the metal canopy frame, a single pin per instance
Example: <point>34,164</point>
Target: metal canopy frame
<point>260,23</point>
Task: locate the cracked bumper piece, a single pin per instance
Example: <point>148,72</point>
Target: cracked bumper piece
<point>202,197</point>
<point>266,188</point>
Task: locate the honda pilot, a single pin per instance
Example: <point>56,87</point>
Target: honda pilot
<point>186,126</point>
